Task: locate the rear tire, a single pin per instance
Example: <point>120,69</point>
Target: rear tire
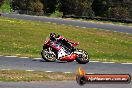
<point>48,57</point>
<point>85,57</point>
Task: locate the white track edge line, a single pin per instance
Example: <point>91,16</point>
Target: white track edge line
<point>83,27</point>
<point>126,63</point>
<point>107,62</point>
<point>5,69</point>
<point>49,71</point>
<point>29,70</point>
<point>23,57</point>
<point>67,72</point>
<point>93,61</point>
<point>37,58</point>
<point>10,56</point>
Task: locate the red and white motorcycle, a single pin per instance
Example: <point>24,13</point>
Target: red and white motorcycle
<point>63,50</point>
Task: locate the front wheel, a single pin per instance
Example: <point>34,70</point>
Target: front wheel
<point>48,56</point>
<point>82,58</point>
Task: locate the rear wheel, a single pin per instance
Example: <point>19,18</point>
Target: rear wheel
<point>48,55</point>
<point>82,58</point>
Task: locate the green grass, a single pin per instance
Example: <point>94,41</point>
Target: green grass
<point>25,38</point>
<point>27,76</point>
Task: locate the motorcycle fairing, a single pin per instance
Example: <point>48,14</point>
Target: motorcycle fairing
<point>70,57</point>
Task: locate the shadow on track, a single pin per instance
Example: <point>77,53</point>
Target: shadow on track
<point>41,60</point>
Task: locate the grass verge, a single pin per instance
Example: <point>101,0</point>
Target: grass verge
<point>25,38</point>
<point>27,76</point>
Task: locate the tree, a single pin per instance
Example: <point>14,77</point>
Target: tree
<point>68,6</point>
<point>118,13</point>
<point>35,7</point>
<point>119,9</point>
<point>83,8</point>
<point>50,5</point>
<point>129,6</point>
<point>77,7</point>
<point>1,2</point>
<point>100,7</point>
<point>19,4</point>
<point>28,6</point>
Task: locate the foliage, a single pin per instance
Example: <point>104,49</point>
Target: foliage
<point>76,7</point>
<point>57,14</point>
<point>5,6</point>
<point>100,7</point>
<point>28,6</point>
<point>1,2</point>
<point>119,9</point>
<point>50,6</point>
<point>118,13</point>
<point>35,6</point>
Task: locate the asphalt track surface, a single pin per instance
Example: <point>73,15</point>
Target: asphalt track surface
<point>63,84</point>
<point>40,65</point>
<point>84,24</point>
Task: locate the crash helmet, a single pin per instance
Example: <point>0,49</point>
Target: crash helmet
<point>53,35</point>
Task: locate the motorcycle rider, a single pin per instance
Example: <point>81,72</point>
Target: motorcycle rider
<point>60,39</point>
<point>53,36</point>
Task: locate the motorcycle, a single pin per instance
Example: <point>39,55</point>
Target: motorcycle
<point>53,50</point>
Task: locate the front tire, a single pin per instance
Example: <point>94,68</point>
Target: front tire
<point>49,57</point>
<point>84,58</point>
